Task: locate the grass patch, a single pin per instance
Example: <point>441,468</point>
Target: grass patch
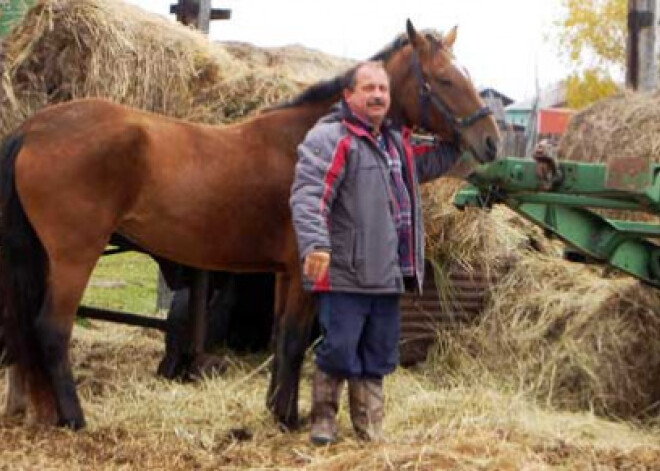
<point>124,282</point>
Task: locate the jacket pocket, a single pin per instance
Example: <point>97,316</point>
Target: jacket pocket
<point>375,259</point>
<point>343,250</point>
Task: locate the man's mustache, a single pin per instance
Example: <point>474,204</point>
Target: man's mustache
<point>375,101</point>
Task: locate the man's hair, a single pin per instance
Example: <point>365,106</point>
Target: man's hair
<point>350,79</point>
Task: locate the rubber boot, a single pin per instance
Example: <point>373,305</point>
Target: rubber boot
<point>326,391</point>
<point>366,400</point>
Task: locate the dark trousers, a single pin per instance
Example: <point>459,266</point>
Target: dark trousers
<point>360,334</point>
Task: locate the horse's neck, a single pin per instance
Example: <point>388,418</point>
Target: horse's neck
<point>289,125</point>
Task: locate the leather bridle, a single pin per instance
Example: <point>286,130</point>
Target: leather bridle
<point>428,97</point>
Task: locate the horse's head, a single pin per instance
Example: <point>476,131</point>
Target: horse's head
<point>436,93</point>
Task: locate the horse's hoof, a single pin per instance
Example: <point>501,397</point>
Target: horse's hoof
<point>170,366</point>
<point>15,411</point>
<point>74,423</point>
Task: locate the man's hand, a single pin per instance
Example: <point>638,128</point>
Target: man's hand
<point>547,166</point>
<point>316,264</point>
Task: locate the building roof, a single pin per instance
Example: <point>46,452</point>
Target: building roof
<point>552,96</point>
<point>489,92</point>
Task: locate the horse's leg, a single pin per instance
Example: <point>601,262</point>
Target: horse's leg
<point>53,327</point>
<point>16,402</point>
<point>282,282</point>
<point>293,329</point>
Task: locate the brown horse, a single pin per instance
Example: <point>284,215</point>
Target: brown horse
<point>212,197</point>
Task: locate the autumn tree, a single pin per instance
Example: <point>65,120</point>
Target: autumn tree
<point>592,36</point>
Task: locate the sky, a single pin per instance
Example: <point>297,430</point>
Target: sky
<point>504,44</point>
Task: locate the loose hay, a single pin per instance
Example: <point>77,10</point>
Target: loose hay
<point>475,238</point>
<point>137,421</point>
<point>568,335</point>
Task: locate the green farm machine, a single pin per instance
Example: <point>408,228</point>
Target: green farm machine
<point>564,208</point>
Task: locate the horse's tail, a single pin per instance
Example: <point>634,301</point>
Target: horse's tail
<point>23,265</point>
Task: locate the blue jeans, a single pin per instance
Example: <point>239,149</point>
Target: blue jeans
<point>360,334</point>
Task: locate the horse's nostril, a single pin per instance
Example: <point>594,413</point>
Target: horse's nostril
<point>491,148</point>
<point>490,144</point>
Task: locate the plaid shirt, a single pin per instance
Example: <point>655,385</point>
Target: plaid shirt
<point>402,207</point>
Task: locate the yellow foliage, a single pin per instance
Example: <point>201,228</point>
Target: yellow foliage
<point>594,31</point>
<point>593,37</point>
<point>589,86</point>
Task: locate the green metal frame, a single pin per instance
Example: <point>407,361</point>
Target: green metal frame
<point>11,13</point>
<point>565,209</point>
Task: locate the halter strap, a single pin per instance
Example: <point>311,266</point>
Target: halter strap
<point>428,97</point>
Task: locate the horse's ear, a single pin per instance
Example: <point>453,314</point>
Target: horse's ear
<point>449,39</point>
<point>418,41</point>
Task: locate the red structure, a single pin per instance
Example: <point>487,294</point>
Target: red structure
<point>554,121</point>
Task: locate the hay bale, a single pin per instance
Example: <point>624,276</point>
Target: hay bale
<point>625,125</point>
<point>66,49</point>
<point>568,334</point>
<point>305,65</point>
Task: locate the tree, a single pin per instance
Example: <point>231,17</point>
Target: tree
<point>593,36</point>
<point>587,87</point>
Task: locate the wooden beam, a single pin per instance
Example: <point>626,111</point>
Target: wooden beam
<point>220,14</point>
<point>119,317</point>
<point>198,13</point>
<point>642,46</point>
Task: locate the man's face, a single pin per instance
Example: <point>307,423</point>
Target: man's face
<point>370,98</point>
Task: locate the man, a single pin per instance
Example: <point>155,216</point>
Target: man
<point>356,210</point>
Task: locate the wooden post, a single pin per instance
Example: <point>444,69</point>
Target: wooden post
<point>642,46</point>
<point>198,311</point>
<point>204,16</point>
<point>199,14</point>
<point>164,294</point>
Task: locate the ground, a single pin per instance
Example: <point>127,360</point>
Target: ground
<point>138,421</point>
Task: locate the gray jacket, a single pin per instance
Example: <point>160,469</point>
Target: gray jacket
<point>341,201</point>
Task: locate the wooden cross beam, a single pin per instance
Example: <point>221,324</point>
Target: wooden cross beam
<point>198,13</point>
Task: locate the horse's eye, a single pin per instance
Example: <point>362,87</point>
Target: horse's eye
<point>443,81</point>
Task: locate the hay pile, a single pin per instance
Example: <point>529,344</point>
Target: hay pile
<point>568,335</point>
<point>475,239</point>
<point>305,65</point>
<point>623,126</point>
<point>626,125</point>
<point>67,49</point>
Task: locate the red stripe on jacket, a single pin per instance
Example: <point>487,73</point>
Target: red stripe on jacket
<point>336,167</point>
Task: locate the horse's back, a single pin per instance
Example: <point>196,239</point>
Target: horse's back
<point>209,196</point>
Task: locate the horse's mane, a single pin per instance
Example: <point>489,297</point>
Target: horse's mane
<point>328,88</point>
